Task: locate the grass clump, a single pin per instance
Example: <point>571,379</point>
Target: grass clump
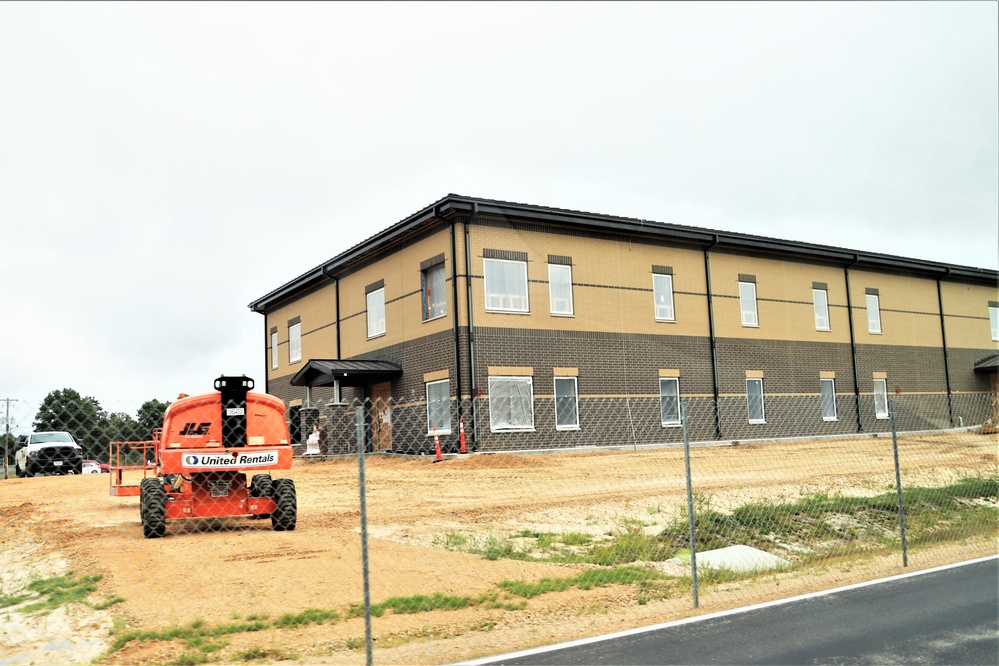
<point>584,581</point>
<point>44,595</point>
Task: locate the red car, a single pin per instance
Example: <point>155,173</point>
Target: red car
<point>104,467</point>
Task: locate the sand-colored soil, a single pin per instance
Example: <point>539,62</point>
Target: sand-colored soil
<point>219,571</point>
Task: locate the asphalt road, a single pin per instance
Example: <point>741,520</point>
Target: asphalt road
<point>942,616</point>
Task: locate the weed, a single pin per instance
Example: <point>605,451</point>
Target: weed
<point>267,653</point>
<point>451,541</point>
<point>309,616</point>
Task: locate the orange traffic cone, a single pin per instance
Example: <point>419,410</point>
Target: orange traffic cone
<point>437,445</point>
<point>461,434</point>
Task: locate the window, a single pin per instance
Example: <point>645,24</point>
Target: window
<point>511,403</point>
<point>754,400</point>
<point>873,314</point>
<point>376,312</point>
<point>747,303</point>
<point>881,398</point>
<point>827,390</point>
<point>820,299</point>
<point>506,285</point>
<point>434,293</point>
<point>439,407</point>
<point>274,348</point>
<point>295,341</point>
<point>566,404</point>
<point>669,400</point>
<point>994,320</point>
<point>560,288</point>
<point>662,290</point>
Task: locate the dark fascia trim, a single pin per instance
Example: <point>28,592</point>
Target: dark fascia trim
<point>447,207</point>
<point>331,269</point>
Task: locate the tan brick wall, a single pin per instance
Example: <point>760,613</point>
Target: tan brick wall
<point>403,297</point>
<point>317,311</point>
<point>612,283</point>
<point>967,310</point>
<point>783,299</point>
<point>910,311</point>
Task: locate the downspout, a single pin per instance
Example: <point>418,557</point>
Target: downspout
<point>943,335</point>
<point>853,343</point>
<point>714,342</point>
<point>267,361</point>
<point>471,326</point>
<point>336,296</point>
<point>454,300</point>
<point>337,398</point>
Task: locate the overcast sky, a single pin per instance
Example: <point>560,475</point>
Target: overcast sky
<point>162,165</point>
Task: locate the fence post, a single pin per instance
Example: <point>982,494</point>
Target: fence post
<point>898,483</point>
<point>690,500</point>
<point>359,422</point>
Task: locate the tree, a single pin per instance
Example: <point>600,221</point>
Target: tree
<point>80,416</point>
<point>7,444</point>
<point>150,416</point>
<point>120,427</point>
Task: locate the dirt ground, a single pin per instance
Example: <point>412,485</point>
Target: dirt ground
<point>221,571</point>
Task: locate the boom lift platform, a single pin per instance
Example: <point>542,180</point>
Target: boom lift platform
<point>195,465</point>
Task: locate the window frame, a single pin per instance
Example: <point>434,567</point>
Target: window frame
<point>428,306</point>
<point>994,322</point>
<point>575,402</point>
<point>491,261</point>
<point>823,382</point>
<point>662,285</point>
<point>529,381</point>
<point>275,360</point>
<point>873,325</point>
<point>748,299</point>
<point>380,308</point>
<point>295,342</point>
<point>551,292</point>
<point>676,420</point>
<point>883,395</point>
<point>762,399</point>
<point>443,430</point>
<point>821,311</point>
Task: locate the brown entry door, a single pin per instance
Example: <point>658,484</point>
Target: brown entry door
<point>378,430</point>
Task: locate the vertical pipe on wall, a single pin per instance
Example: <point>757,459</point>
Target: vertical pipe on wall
<point>471,325</point>
<point>267,367</point>
<point>714,343</point>
<point>454,300</point>
<point>943,335</point>
<point>853,343</point>
<point>336,313</point>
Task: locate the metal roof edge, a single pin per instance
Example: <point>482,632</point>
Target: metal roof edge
<point>446,206</point>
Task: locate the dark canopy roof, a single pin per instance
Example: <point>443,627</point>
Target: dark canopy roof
<point>989,364</point>
<point>323,372</point>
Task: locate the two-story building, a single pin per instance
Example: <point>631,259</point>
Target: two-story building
<point>537,327</point>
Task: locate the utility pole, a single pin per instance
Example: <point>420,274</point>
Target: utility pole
<point>6,438</point>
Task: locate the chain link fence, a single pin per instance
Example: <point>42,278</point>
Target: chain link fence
<point>429,537</point>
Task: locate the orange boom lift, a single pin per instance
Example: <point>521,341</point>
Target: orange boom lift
<point>199,459</point>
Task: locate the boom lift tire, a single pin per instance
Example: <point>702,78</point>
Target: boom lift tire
<point>152,508</point>
<point>261,485</point>
<point>286,506</point>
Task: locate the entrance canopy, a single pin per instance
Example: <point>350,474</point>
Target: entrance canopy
<point>988,365</point>
<point>327,372</point>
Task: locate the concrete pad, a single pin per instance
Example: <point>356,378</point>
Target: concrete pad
<point>741,559</point>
